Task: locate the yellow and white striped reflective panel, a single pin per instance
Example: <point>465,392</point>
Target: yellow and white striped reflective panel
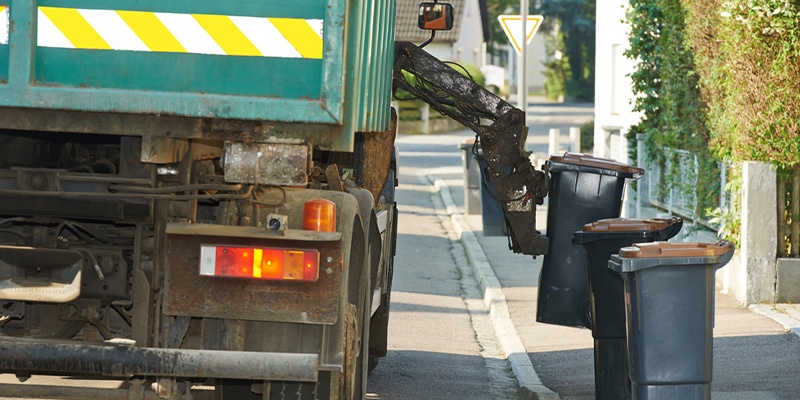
<point>179,33</point>
<point>3,24</point>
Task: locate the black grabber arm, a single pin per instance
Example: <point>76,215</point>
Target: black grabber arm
<point>519,185</point>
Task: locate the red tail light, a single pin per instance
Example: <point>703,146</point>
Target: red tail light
<point>260,263</point>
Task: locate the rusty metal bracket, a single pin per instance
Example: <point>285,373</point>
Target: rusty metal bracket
<point>267,163</point>
<point>334,179</point>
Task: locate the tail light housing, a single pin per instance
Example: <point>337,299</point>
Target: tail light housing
<point>267,263</point>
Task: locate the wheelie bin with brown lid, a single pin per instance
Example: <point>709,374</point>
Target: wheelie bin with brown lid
<point>669,312</point>
<point>583,189</point>
<point>601,239</point>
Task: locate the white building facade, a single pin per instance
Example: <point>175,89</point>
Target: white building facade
<point>613,102</point>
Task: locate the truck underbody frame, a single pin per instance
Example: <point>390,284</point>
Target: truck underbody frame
<point>145,296</point>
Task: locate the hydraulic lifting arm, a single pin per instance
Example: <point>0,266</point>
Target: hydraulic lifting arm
<point>519,185</point>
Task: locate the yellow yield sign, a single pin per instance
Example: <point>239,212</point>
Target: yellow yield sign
<point>512,26</point>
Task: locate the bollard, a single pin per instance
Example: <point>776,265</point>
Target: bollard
<point>472,178</point>
<point>575,139</point>
<point>555,147</point>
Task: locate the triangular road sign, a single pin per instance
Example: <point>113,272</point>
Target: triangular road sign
<point>512,26</point>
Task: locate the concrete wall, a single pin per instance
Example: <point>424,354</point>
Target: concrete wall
<point>788,288</point>
<point>752,276</point>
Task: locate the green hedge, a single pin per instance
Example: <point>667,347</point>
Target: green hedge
<point>720,78</point>
<point>748,61</point>
<point>669,97</point>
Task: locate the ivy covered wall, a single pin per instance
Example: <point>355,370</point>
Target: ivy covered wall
<point>570,47</point>
<point>747,56</point>
<point>668,93</point>
<point>719,78</point>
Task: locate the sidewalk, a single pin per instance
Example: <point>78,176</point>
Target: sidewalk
<point>756,354</point>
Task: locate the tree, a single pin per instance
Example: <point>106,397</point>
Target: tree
<point>573,74</point>
<point>496,8</point>
<point>574,21</point>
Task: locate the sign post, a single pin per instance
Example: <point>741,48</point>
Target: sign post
<point>522,90</point>
<point>520,31</point>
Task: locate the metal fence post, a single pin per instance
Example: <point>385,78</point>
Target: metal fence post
<point>795,238</point>
<point>640,163</point>
<point>425,116</point>
<point>668,164</point>
<point>781,217</point>
<point>723,181</point>
<point>695,201</point>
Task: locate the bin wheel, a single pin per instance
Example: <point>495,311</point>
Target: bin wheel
<point>585,312</point>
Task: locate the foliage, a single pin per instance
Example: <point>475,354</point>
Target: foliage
<point>748,59</point>
<point>496,8</point>
<point>410,105</point>
<point>556,69</point>
<point>728,219</point>
<point>722,75</point>
<point>668,96</point>
<point>572,74</point>
<point>574,23</point>
<point>587,137</point>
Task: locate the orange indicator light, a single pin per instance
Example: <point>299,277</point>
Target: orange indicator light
<point>319,215</point>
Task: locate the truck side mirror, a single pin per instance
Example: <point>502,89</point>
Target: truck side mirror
<point>435,16</point>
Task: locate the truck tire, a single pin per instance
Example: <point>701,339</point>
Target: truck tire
<point>379,323</point>
<point>353,383</point>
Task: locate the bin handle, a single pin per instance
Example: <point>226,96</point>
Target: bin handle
<point>637,172</point>
<point>723,247</point>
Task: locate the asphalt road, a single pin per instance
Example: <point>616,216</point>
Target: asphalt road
<point>437,337</point>
<point>437,348</point>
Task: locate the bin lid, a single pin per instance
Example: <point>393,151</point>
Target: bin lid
<point>587,160</point>
<point>629,224</point>
<point>646,230</point>
<point>673,250</point>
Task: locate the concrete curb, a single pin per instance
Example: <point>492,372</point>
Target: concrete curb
<point>495,302</point>
<point>791,324</point>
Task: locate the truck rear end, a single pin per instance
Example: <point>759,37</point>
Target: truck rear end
<point>196,192</point>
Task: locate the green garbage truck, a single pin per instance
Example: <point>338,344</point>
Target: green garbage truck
<point>196,194</point>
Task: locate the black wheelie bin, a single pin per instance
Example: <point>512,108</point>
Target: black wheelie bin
<point>669,312</point>
<point>479,193</point>
<point>472,178</point>
<point>601,239</point>
<point>583,189</point>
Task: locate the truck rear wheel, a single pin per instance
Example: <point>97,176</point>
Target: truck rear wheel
<point>353,382</point>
